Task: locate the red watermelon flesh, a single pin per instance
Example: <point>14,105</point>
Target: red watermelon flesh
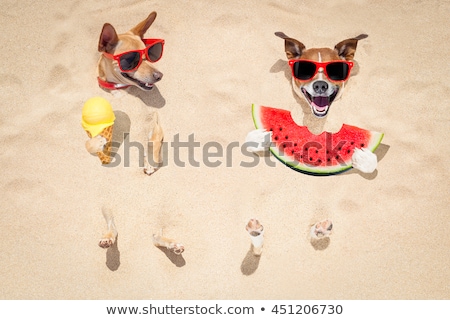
<point>323,154</point>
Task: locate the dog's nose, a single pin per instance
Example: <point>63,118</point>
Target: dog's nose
<point>157,75</point>
<point>320,86</point>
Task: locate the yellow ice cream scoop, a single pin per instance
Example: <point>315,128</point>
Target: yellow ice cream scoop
<point>97,114</point>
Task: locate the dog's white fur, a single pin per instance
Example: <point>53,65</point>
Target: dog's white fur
<point>169,244</point>
<point>256,231</point>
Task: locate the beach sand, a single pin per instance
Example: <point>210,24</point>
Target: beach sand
<point>390,238</point>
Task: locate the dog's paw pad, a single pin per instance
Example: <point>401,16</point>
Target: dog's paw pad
<point>105,243</point>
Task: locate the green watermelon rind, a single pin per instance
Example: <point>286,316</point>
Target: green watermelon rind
<point>316,171</point>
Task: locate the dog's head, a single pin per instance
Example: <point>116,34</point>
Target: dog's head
<point>111,45</point>
<point>313,79</point>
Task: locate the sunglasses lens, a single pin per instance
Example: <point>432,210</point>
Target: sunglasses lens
<point>155,52</point>
<point>130,60</point>
<point>304,70</point>
<point>338,71</point>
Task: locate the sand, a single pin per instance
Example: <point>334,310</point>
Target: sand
<point>390,238</point>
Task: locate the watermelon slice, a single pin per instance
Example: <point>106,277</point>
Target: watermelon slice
<point>323,154</point>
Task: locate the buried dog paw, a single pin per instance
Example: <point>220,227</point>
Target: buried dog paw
<point>364,160</point>
<point>169,244</point>
<point>110,235</point>
<point>149,170</point>
<point>321,229</point>
<point>258,140</point>
<point>256,232</point>
<point>96,144</point>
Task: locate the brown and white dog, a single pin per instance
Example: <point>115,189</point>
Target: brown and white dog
<point>319,91</point>
<point>319,76</point>
<point>110,76</point>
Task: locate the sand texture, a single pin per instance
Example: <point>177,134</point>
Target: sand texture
<point>390,238</point>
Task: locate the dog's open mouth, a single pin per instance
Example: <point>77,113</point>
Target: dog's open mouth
<point>320,104</point>
<point>143,85</point>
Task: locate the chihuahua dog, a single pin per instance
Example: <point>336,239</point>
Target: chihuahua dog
<point>127,58</point>
<point>319,74</point>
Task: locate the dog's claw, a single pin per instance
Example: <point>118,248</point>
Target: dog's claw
<point>364,160</point>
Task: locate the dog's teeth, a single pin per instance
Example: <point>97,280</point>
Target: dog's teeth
<point>149,85</point>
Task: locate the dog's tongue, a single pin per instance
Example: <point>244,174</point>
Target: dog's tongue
<point>320,102</point>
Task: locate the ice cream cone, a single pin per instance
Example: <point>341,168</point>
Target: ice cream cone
<point>105,154</point>
<point>98,119</point>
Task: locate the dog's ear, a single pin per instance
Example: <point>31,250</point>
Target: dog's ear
<point>293,48</point>
<point>143,26</point>
<point>108,39</point>
<point>346,49</point>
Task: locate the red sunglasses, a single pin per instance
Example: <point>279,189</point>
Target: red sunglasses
<point>334,70</point>
<point>131,60</point>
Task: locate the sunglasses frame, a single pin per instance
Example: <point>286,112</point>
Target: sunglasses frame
<point>148,43</point>
<point>322,65</point>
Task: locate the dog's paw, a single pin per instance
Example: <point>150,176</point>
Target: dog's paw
<point>109,237</point>
<point>321,229</point>
<point>96,144</point>
<point>258,140</point>
<point>149,170</point>
<point>256,232</point>
<point>169,244</point>
<point>105,243</point>
<point>176,248</point>
<point>254,227</point>
<point>364,160</point>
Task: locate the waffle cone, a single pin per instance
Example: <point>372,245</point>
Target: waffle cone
<point>105,155</point>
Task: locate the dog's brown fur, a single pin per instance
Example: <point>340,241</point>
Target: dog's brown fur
<point>344,50</point>
<point>146,75</point>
